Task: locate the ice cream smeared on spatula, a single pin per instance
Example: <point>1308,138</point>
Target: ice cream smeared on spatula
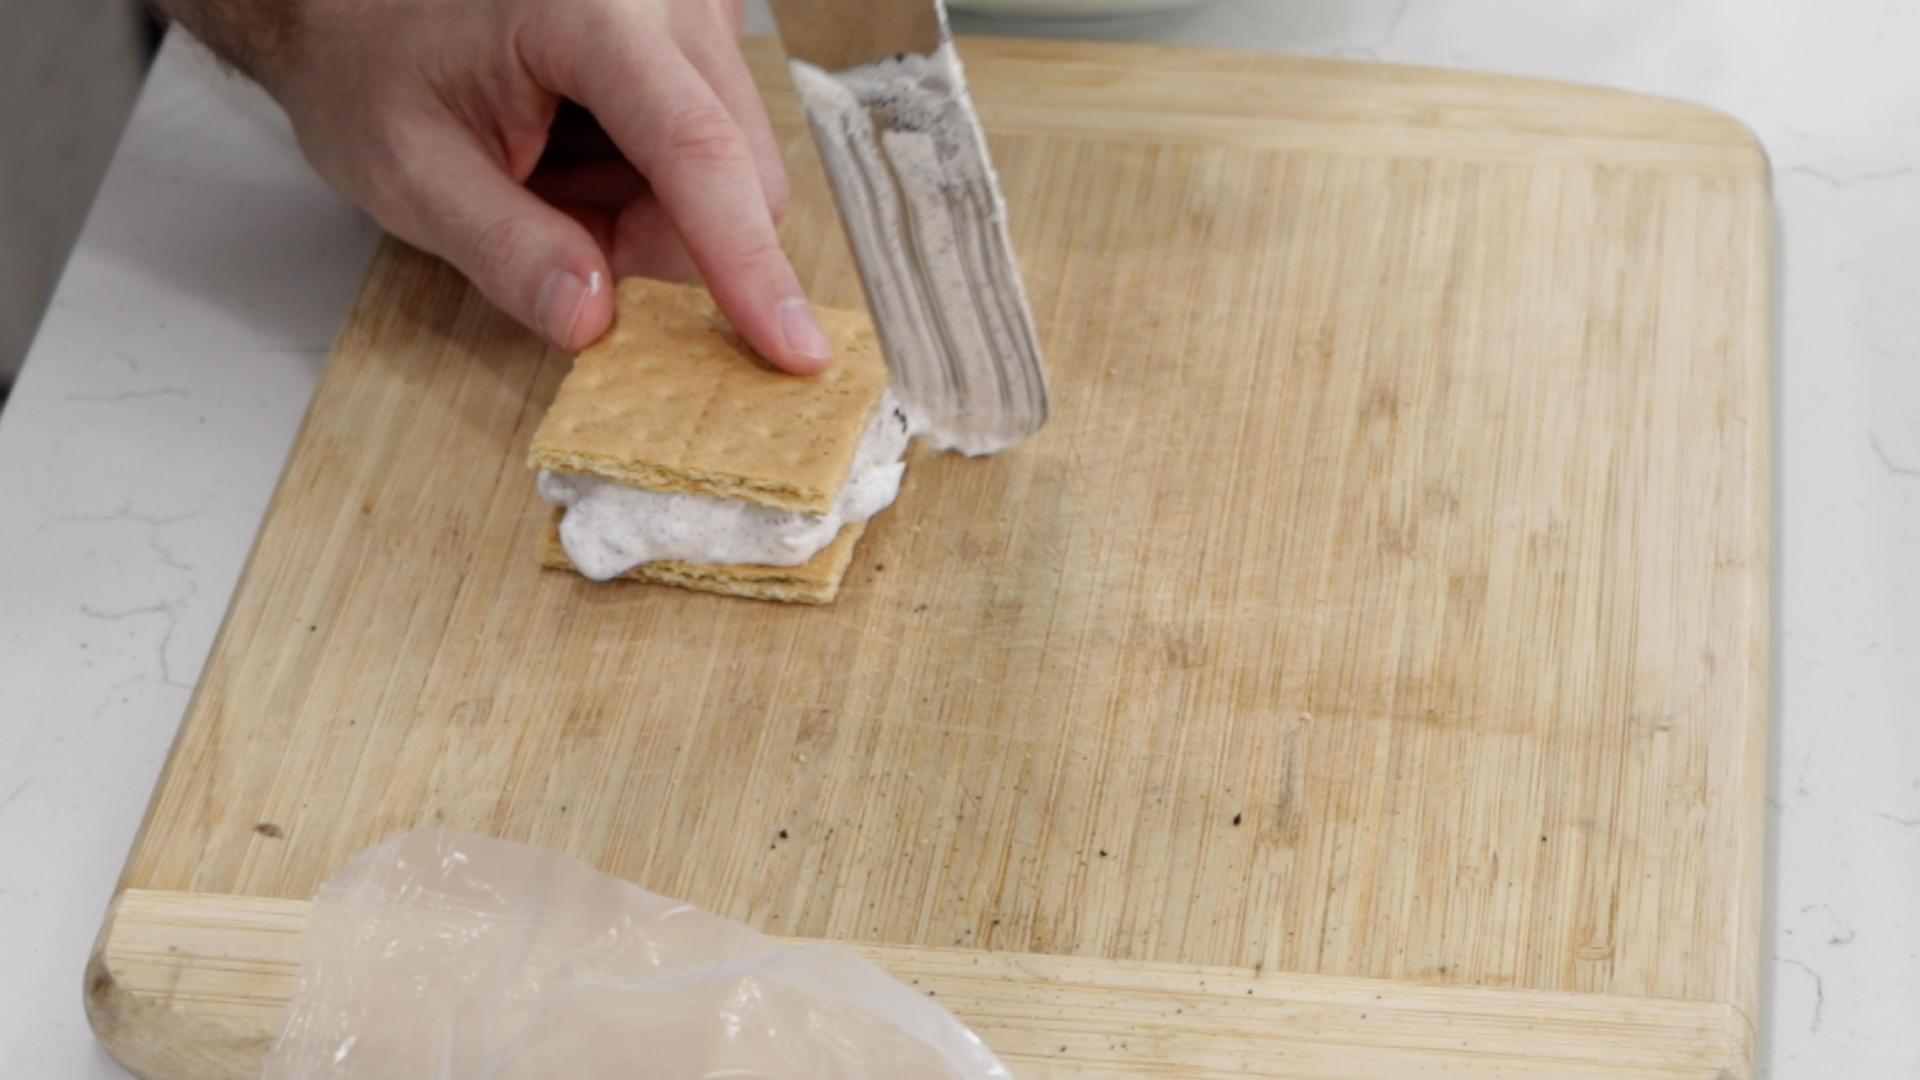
<point>928,226</point>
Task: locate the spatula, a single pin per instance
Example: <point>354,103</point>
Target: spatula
<point>884,93</point>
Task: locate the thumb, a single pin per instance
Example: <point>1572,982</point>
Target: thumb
<point>532,260</point>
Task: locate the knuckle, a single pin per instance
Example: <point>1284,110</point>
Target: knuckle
<point>753,253</point>
<point>705,135</point>
<point>395,177</point>
<point>572,23</point>
<point>394,199</point>
<point>494,251</point>
<point>580,50</point>
<point>601,30</point>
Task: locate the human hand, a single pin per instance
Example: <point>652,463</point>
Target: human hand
<point>454,123</point>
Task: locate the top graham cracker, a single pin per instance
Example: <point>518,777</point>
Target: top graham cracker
<point>672,399</point>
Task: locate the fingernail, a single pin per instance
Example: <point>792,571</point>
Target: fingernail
<point>562,299</point>
<point>802,331</point>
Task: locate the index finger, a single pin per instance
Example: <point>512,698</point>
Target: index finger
<point>671,124</point>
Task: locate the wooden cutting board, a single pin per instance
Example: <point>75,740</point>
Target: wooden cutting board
<point>1364,674</point>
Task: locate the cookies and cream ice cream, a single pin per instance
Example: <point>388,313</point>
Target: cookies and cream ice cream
<point>609,527</point>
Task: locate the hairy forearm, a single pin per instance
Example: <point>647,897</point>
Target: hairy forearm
<point>252,35</point>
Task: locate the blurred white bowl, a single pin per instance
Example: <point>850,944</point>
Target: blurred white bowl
<point>1069,9</point>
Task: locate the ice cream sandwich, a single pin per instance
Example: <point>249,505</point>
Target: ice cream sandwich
<point>673,454</point>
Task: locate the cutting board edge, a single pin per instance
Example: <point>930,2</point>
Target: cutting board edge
<point>192,986</point>
<point>1504,95</point>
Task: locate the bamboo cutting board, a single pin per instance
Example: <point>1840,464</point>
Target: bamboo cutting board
<point>1364,675</point>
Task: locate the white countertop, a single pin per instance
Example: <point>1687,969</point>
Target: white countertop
<point>153,414</point>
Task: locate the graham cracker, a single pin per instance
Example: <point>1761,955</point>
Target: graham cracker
<point>671,399</point>
<point>816,581</point>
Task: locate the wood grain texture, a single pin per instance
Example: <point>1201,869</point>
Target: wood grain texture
<point>1387,599</point>
<point>228,964</point>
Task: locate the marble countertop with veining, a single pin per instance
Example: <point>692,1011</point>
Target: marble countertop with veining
<point>142,443</point>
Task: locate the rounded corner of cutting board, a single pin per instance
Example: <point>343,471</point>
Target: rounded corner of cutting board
<point>123,1022</point>
<point>128,991</point>
<point>103,997</point>
<point>1741,144</point>
<point>1740,133</point>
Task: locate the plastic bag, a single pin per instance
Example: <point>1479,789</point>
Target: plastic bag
<point>436,955</point>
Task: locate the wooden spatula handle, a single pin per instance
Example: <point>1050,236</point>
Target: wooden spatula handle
<point>839,34</point>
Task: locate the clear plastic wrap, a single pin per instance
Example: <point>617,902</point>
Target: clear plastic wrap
<point>436,955</point>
